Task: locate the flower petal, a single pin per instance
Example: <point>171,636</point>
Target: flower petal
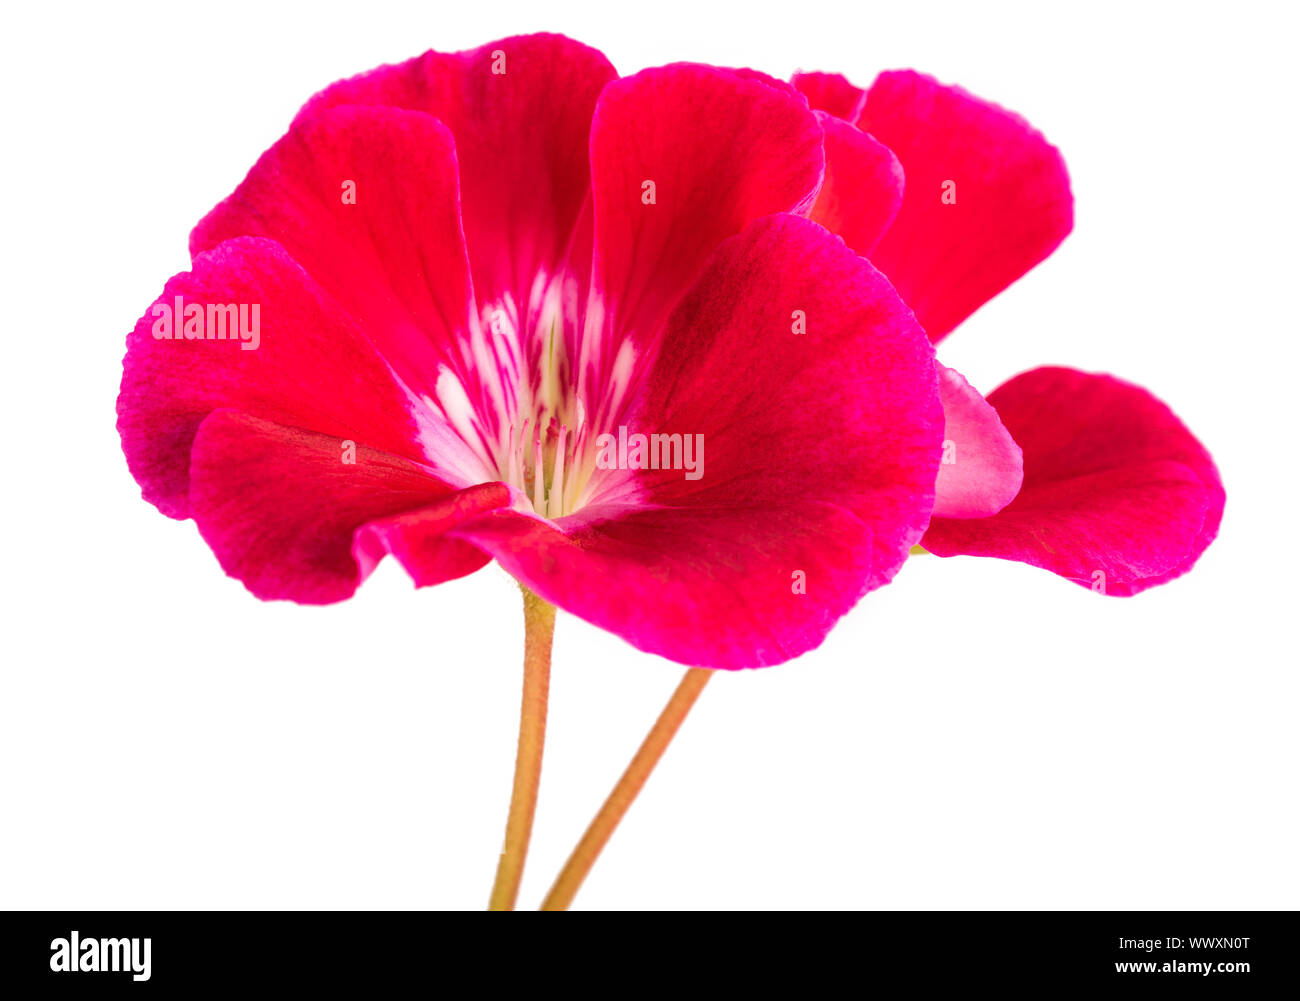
<point>706,588</point>
<point>683,157</point>
<point>366,201</point>
<point>820,453</point>
<point>309,367</point>
<point>520,111</point>
<point>419,539</point>
<point>1118,495</point>
<point>987,197</point>
<point>981,469</point>
<point>862,189</point>
<point>285,514</point>
<point>830,92</point>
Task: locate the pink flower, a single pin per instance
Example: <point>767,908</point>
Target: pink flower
<point>954,198</point>
<point>474,275</point>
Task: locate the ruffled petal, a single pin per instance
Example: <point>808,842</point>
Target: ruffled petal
<point>287,511</point>
<point>830,92</point>
<point>520,111</point>
<point>987,196</point>
<point>981,471</point>
<point>706,588</point>
<point>304,363</point>
<point>419,539</point>
<point>683,157</point>
<point>862,188</point>
<point>1118,495</point>
<point>819,454</point>
<point>367,201</point>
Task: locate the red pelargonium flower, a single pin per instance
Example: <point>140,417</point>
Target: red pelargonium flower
<point>954,198</point>
<point>467,269</point>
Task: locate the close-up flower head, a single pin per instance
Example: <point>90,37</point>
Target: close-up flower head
<point>653,394</point>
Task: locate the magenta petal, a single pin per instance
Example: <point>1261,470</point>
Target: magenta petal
<point>1118,495</point>
<point>366,200</point>
<point>282,510</point>
<point>830,92</point>
<point>419,541</point>
<point>520,111</point>
<point>981,469</point>
<point>706,588</point>
<point>987,197</point>
<point>862,189</point>
<point>683,157</point>
<point>801,366</point>
<point>309,367</point>
<point>820,452</point>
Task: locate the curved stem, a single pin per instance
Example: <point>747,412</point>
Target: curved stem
<point>607,820</point>
<point>539,630</point>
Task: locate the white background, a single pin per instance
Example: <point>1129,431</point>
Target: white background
<point>979,734</point>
